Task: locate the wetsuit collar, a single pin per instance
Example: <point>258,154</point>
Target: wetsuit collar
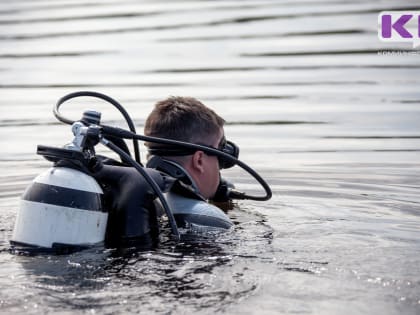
<point>184,184</point>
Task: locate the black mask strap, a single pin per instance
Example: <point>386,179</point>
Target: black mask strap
<point>226,146</point>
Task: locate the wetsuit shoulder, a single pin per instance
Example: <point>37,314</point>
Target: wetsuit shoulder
<point>189,211</point>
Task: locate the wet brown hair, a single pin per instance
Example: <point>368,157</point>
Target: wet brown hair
<point>182,118</point>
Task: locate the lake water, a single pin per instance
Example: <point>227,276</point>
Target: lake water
<point>328,114</point>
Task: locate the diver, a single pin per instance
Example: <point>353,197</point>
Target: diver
<point>197,173</point>
<point>86,198</point>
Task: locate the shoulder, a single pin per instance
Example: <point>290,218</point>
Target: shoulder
<point>187,210</point>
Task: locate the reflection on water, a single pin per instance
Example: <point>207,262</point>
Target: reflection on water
<point>330,123</point>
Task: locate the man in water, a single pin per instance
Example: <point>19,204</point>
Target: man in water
<point>198,173</point>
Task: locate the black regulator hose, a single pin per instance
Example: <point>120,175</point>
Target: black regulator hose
<point>106,98</point>
<point>125,134</point>
<point>122,133</point>
<point>150,181</point>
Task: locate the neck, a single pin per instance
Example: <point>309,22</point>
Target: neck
<point>174,169</point>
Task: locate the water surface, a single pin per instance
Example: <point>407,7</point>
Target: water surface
<point>331,124</point>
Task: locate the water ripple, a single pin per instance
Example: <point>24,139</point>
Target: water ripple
<point>55,54</point>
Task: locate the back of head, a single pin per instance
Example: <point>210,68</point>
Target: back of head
<point>183,119</point>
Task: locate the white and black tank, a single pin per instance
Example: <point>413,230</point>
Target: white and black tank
<point>62,207</point>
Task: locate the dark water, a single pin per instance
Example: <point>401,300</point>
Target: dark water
<point>331,124</point>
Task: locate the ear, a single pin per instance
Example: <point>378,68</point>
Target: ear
<point>198,161</point>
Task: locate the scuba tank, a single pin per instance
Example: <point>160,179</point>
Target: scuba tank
<point>85,200</point>
<point>62,207</point>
